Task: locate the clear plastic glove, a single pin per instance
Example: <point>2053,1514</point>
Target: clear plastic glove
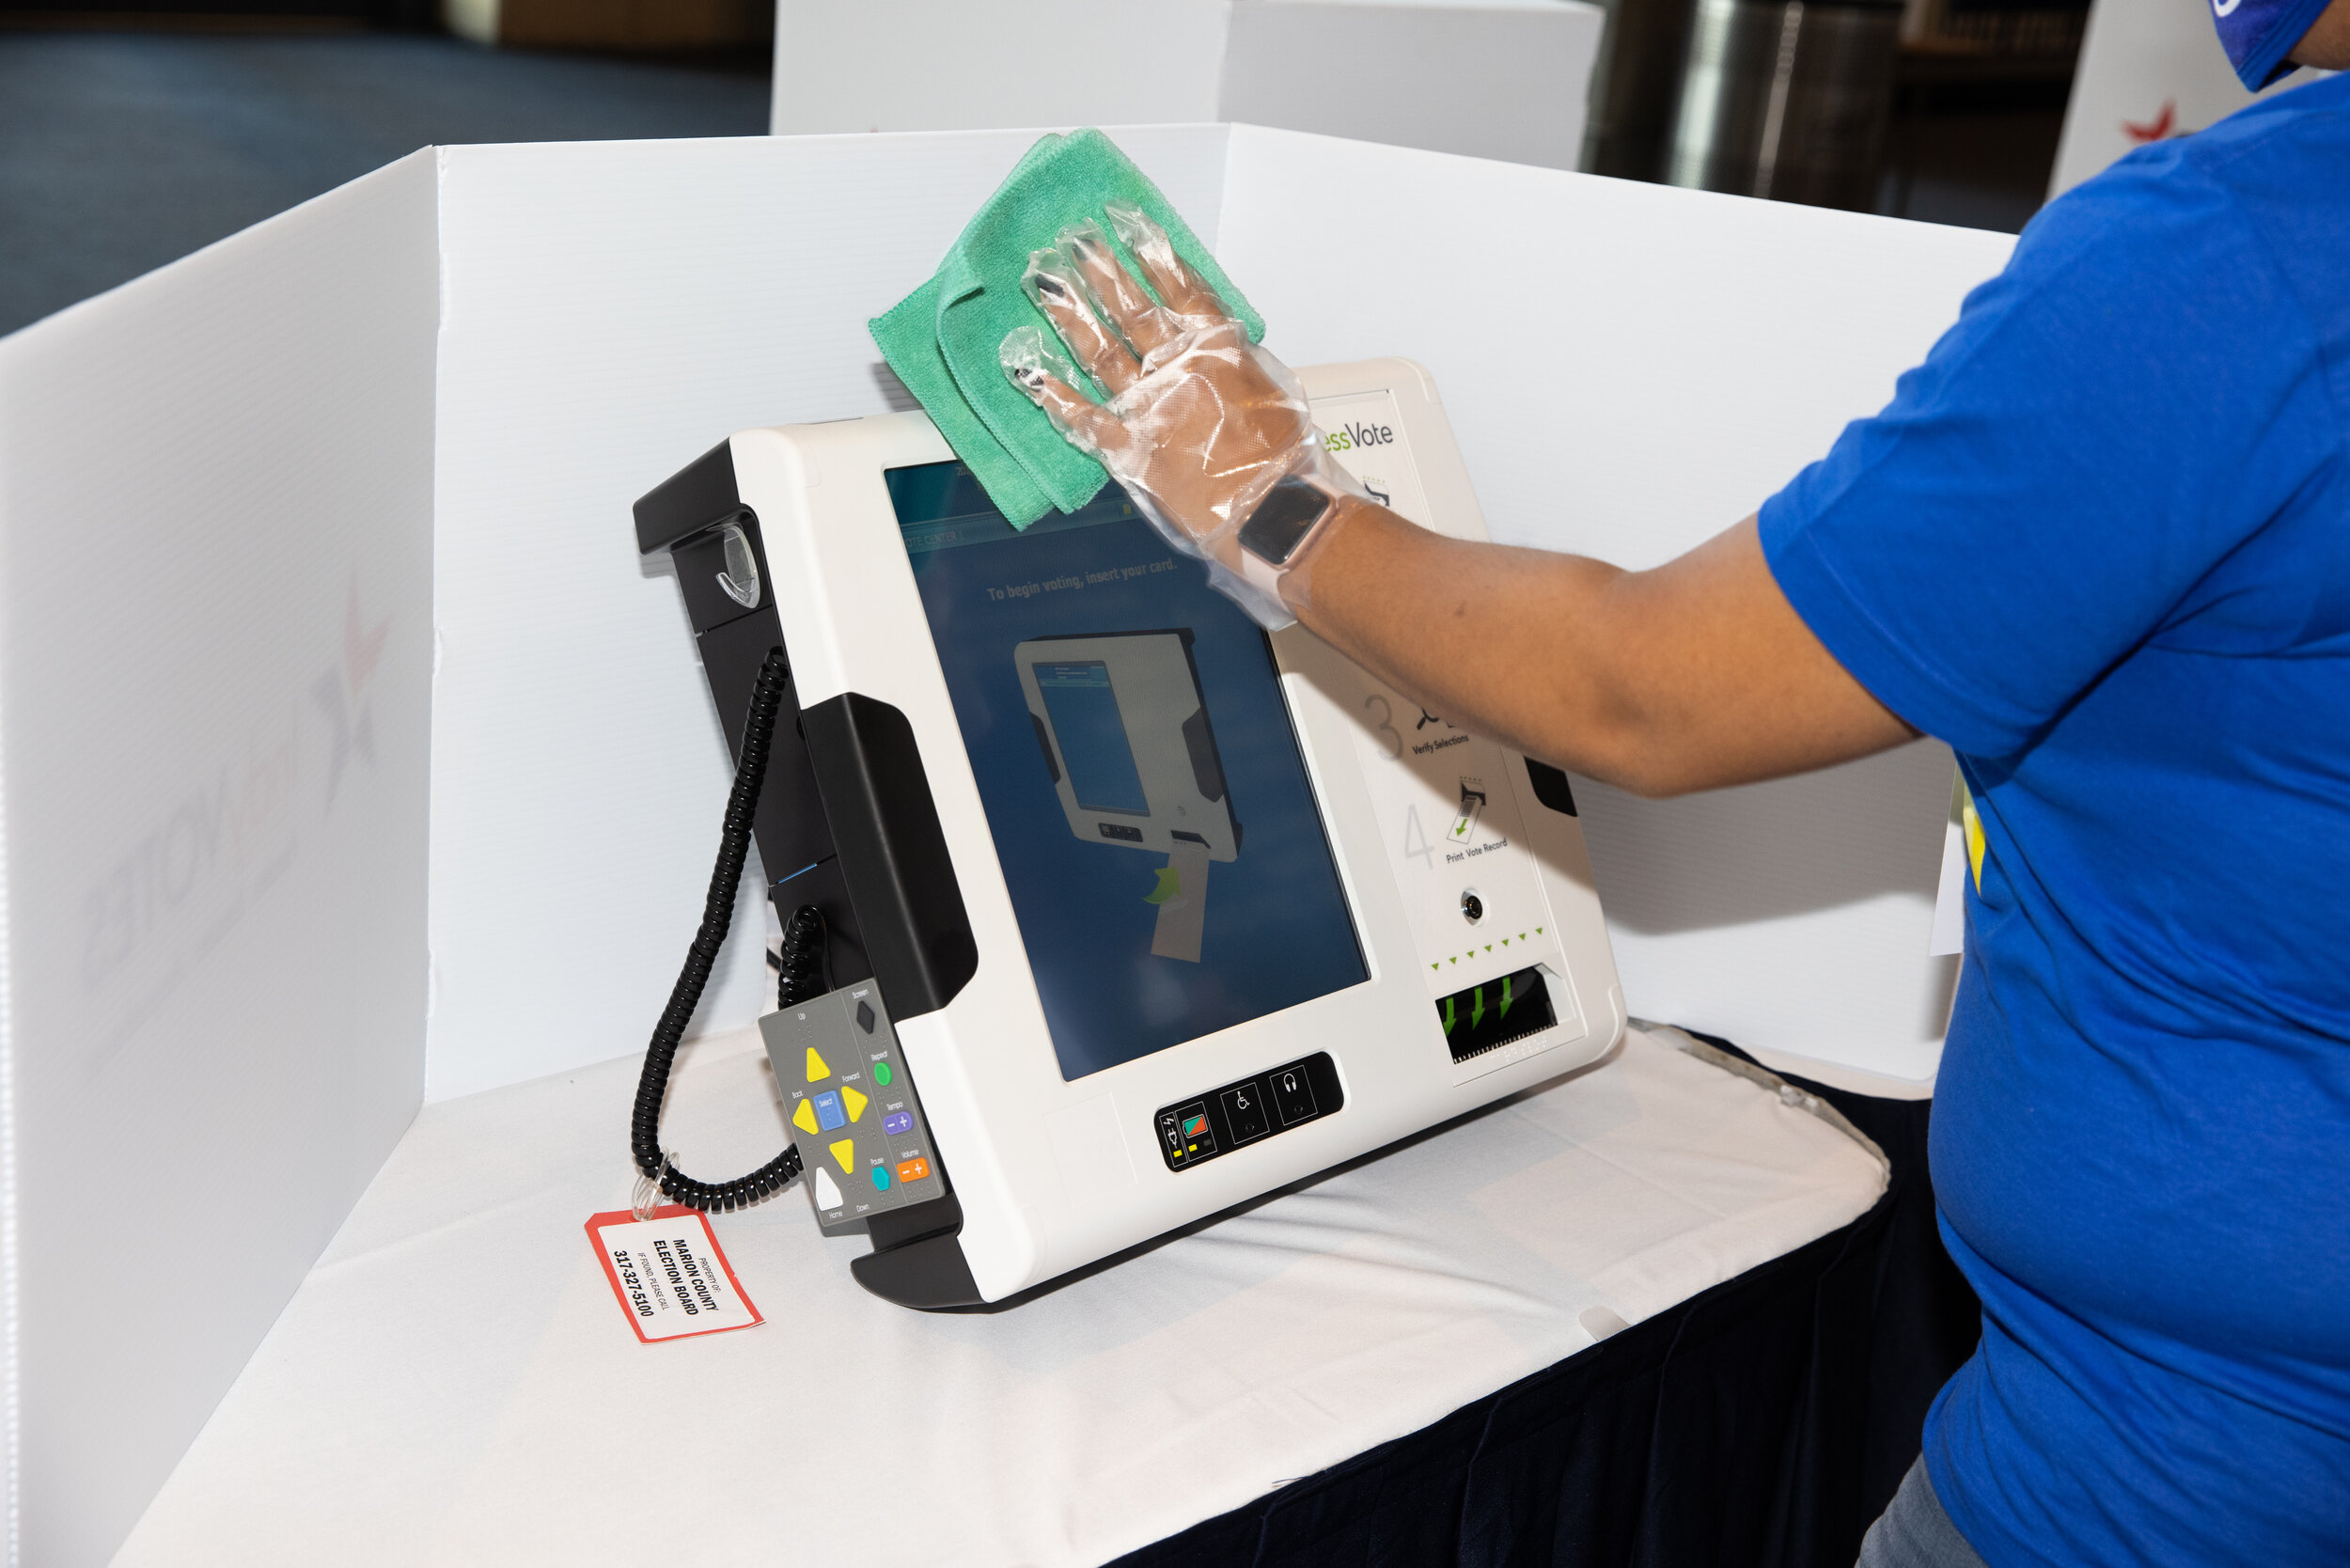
<point>1200,423</point>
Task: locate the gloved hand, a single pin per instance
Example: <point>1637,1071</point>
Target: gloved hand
<point>1201,424</point>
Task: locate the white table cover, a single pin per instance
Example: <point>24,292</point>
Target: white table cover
<point>454,1383</point>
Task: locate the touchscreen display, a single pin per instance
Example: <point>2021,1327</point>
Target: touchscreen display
<point>1165,860</point>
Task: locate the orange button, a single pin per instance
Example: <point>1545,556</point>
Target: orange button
<point>913,1169</point>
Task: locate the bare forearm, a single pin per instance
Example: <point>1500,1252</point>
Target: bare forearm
<point>1474,631</point>
<point>1693,674</point>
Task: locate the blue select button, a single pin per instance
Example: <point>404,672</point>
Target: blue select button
<point>829,1112</point>
<point>898,1121</point>
<point>881,1178</point>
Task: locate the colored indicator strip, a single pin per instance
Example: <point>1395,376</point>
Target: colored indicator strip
<point>1198,1138</point>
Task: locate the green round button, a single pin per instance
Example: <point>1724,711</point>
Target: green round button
<point>881,1073</point>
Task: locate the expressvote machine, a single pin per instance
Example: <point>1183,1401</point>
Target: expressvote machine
<point>1102,910</point>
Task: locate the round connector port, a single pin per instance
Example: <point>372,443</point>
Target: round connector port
<point>1472,907</point>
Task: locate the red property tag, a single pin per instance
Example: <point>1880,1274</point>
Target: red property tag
<point>668,1274</point>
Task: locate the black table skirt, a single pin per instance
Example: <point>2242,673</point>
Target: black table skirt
<point>1765,1421</point>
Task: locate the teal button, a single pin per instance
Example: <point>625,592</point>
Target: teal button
<point>881,1178</point>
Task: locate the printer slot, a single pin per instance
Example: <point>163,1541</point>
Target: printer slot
<point>1494,1012</point>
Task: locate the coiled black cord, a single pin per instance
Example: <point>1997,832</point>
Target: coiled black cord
<point>804,964</point>
<point>804,945</point>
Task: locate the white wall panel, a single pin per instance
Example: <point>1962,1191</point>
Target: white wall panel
<point>216,647</point>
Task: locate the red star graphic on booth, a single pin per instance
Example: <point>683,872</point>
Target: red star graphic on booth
<point>2154,129</point>
<point>345,693</point>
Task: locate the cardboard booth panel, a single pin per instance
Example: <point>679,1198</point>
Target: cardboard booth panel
<point>215,645</point>
<point>1485,78</point>
<point>944,65</point>
<point>1630,367</point>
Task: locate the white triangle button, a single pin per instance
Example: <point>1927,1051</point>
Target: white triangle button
<point>827,1195</point>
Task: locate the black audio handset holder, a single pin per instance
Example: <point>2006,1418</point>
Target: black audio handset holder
<point>801,965</point>
<point>836,797</point>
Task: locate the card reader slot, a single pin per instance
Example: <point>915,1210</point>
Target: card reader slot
<point>1550,787</point>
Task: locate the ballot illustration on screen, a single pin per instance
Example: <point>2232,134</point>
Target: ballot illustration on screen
<point>1128,744</point>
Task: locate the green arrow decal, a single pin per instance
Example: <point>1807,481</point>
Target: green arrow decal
<point>1448,1019</point>
<point>1477,1008</point>
<point>1506,997</point>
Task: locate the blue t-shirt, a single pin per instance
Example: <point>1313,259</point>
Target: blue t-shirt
<point>2100,544</point>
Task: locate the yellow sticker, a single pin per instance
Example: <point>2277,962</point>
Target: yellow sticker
<point>1973,821</point>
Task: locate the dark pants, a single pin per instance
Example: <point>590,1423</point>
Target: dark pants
<point>1913,1532</point>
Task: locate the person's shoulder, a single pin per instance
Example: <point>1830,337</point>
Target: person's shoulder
<point>2172,255</point>
<point>2312,119</point>
<point>2155,215</point>
<point>2288,149</point>
<point>2279,135</point>
<point>2175,206</point>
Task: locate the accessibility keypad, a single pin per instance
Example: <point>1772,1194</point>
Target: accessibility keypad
<point>851,1105</point>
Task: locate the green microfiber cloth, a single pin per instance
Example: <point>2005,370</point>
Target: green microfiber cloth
<point>942,339</point>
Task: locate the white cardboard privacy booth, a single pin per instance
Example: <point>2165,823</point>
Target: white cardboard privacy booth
<point>1489,78</point>
<point>352,758</point>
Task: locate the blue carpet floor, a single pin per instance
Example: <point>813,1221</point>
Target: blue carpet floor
<point>122,151</point>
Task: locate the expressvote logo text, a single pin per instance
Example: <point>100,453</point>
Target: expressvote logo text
<point>1347,437</point>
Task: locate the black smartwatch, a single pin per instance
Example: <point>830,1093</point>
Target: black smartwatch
<point>1279,528</point>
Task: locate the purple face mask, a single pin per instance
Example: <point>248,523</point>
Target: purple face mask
<point>2258,34</point>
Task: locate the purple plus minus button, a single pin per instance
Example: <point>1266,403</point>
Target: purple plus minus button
<point>898,1121</point>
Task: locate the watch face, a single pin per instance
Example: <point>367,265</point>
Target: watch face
<point>1287,512</point>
